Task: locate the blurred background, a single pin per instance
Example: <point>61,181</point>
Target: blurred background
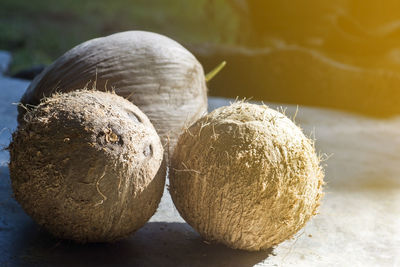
<point>318,54</point>
<point>342,54</point>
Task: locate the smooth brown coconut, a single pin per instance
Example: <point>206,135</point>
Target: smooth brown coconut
<point>246,176</point>
<point>87,166</point>
<point>153,71</point>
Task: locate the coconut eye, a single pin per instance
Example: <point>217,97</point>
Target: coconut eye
<point>148,151</point>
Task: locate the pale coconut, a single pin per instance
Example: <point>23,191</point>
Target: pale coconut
<point>246,176</point>
<point>152,71</point>
<point>87,166</point>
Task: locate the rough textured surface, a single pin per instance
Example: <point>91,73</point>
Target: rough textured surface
<point>86,166</point>
<point>246,176</point>
<point>154,72</point>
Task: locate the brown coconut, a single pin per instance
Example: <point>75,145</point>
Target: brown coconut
<point>153,71</point>
<point>87,166</point>
<point>246,176</point>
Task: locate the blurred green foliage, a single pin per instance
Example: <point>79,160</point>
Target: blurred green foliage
<point>40,31</point>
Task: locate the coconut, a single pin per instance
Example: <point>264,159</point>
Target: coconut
<point>87,166</point>
<point>153,71</point>
<point>245,176</point>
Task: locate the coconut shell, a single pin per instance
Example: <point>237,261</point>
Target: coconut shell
<point>245,176</point>
<point>87,166</point>
<point>153,71</point>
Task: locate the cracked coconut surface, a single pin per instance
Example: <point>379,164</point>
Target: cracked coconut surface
<point>357,225</point>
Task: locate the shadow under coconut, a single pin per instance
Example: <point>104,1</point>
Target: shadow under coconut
<point>156,244</point>
<point>25,243</point>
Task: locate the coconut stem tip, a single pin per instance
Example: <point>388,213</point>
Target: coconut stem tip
<point>215,71</point>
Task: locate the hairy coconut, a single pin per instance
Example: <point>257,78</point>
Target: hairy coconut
<point>246,176</point>
<point>87,165</point>
<point>153,71</point>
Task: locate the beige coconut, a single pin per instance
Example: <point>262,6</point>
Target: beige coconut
<point>87,166</point>
<point>154,72</point>
<point>246,176</point>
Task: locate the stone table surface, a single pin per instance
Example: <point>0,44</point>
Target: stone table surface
<point>358,223</point>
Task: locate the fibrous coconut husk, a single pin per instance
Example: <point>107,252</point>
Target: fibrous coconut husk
<point>87,166</point>
<point>246,176</point>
